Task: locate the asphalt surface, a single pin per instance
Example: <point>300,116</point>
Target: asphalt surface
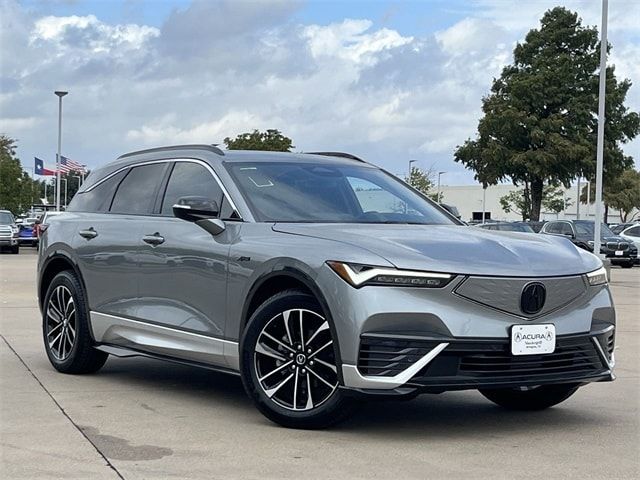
<point>141,418</point>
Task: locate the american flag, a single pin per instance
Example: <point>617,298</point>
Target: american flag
<point>67,165</point>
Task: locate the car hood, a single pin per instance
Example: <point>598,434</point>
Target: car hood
<point>456,249</point>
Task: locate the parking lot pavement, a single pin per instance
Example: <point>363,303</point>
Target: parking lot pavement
<point>140,418</point>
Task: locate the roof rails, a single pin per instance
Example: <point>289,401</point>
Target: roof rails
<point>211,148</point>
<point>338,154</point>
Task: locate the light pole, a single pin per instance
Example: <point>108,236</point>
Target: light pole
<point>600,145</point>
<point>438,196</point>
<point>65,193</point>
<point>484,203</point>
<point>60,94</point>
<point>411,162</point>
<point>578,201</point>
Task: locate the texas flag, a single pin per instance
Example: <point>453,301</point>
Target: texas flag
<point>40,170</point>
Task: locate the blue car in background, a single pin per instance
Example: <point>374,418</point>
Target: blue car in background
<point>27,235</point>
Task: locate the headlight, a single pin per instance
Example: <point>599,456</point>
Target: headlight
<point>361,275</point>
<point>597,277</point>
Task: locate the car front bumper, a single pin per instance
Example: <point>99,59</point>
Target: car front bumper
<point>405,364</point>
<point>445,330</point>
<point>8,242</point>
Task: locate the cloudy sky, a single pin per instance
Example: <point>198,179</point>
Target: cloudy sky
<point>386,80</point>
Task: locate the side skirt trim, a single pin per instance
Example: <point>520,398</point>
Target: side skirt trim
<point>354,379</point>
<point>164,341</point>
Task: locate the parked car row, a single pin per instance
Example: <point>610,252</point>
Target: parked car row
<point>620,246</point>
<point>15,232</point>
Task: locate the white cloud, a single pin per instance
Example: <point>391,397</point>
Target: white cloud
<point>100,37</point>
<point>216,69</point>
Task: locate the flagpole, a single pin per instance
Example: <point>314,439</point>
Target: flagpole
<point>60,94</point>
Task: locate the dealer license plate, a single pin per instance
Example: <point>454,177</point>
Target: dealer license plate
<point>533,339</point>
<point>619,253</point>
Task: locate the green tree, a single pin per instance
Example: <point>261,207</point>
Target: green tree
<point>16,188</point>
<point>625,194</point>
<point>421,180</point>
<point>518,201</point>
<point>271,140</point>
<point>540,120</point>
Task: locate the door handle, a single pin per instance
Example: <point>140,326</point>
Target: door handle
<point>88,233</point>
<point>155,239</point>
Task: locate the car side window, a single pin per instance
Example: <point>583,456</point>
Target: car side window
<point>190,179</point>
<point>136,193</point>
<point>633,232</point>
<point>565,229</point>
<point>552,227</point>
<point>98,198</point>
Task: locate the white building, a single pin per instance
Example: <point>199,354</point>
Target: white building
<point>469,201</point>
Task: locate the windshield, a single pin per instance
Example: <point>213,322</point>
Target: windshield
<point>587,228</point>
<point>6,218</point>
<point>330,193</point>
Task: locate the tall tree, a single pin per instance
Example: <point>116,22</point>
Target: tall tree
<point>422,181</point>
<point>270,140</point>
<point>540,120</point>
<point>518,201</point>
<point>16,187</point>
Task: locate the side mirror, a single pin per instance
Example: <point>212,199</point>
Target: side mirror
<point>195,208</point>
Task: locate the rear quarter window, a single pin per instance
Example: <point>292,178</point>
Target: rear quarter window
<point>98,198</point>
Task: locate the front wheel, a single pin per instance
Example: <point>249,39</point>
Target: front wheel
<point>65,327</point>
<point>15,249</point>
<point>289,364</point>
<point>530,398</point>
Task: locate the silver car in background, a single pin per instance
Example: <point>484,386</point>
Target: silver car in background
<point>321,279</point>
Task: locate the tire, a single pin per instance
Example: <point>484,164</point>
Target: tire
<point>15,249</point>
<point>65,327</point>
<point>627,264</point>
<point>289,368</point>
<point>538,398</point>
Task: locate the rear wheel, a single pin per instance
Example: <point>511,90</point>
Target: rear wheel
<point>530,398</point>
<point>289,366</point>
<point>65,327</point>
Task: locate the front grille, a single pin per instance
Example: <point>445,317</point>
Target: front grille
<point>617,246</point>
<point>484,361</point>
<point>571,356</point>
<point>5,232</point>
<point>505,293</point>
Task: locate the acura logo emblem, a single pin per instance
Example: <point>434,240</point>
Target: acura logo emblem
<point>533,297</point>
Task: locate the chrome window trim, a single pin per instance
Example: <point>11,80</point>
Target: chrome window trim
<point>215,176</point>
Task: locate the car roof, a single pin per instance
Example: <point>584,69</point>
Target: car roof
<point>214,156</point>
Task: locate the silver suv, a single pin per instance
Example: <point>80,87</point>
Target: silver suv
<point>321,280</point>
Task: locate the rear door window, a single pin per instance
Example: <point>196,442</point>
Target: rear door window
<point>98,198</point>
<point>137,192</point>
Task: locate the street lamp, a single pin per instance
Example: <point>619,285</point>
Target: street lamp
<point>600,144</point>
<point>438,196</point>
<point>59,94</point>
<point>411,162</point>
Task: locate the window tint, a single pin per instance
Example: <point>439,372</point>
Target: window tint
<point>330,192</point>
<point>97,199</point>
<point>552,227</point>
<point>190,180</point>
<point>633,232</point>
<point>136,193</point>
<point>565,229</point>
